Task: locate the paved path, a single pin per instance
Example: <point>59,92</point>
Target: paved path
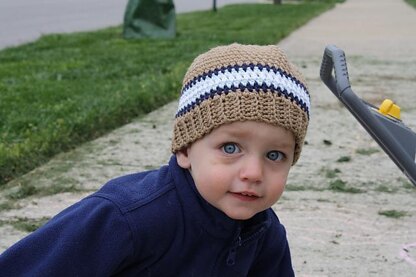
<point>331,233</point>
<point>380,28</point>
<point>22,20</point>
<point>343,234</point>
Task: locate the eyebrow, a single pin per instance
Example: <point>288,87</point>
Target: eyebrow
<point>235,132</point>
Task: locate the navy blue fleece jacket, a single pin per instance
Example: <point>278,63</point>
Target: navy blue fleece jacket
<point>152,223</point>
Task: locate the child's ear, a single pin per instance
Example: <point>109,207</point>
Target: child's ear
<point>183,158</point>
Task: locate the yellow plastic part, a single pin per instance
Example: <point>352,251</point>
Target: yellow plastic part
<point>389,108</point>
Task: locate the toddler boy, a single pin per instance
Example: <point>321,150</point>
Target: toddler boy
<point>240,126</point>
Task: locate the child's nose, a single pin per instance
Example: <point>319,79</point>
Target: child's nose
<point>252,170</point>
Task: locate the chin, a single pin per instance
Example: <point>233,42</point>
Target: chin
<point>240,216</point>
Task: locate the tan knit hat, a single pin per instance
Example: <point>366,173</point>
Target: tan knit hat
<point>238,83</point>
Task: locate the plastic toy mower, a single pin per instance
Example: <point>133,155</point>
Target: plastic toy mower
<point>383,123</point>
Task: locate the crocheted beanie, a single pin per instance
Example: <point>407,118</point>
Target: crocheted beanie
<point>238,83</point>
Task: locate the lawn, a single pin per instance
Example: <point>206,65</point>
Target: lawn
<point>65,89</point>
<point>411,2</point>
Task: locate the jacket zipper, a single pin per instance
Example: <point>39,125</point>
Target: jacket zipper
<point>232,253</point>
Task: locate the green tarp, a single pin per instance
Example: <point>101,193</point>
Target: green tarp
<point>149,19</point>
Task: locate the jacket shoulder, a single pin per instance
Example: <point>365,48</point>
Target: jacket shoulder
<point>135,190</point>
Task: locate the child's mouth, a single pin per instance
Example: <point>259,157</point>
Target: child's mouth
<point>245,196</point>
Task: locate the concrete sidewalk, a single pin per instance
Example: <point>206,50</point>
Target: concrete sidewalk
<point>331,232</point>
<point>371,28</point>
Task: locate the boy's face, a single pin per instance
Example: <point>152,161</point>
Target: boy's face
<point>241,168</point>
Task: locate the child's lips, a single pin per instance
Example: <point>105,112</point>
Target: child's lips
<point>245,195</point>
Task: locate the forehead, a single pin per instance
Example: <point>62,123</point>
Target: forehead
<point>255,130</point>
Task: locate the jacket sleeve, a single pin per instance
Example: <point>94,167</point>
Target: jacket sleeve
<point>90,238</point>
<point>274,258</point>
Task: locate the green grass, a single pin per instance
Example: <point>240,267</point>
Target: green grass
<point>8,205</point>
<point>393,213</point>
<point>339,185</point>
<point>24,190</point>
<point>330,173</point>
<point>411,2</point>
<point>25,224</point>
<point>386,189</point>
<point>66,89</point>
<point>344,159</point>
<point>367,151</point>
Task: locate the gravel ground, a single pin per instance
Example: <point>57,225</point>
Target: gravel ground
<point>347,208</point>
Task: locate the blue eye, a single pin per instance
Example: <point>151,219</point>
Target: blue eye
<point>230,148</point>
<point>275,155</point>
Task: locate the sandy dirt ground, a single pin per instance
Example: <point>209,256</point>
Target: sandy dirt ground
<point>348,209</point>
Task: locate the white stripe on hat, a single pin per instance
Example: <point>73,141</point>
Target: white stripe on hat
<point>245,77</point>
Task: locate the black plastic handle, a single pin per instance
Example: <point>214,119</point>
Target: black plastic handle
<point>334,60</point>
<point>395,138</point>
